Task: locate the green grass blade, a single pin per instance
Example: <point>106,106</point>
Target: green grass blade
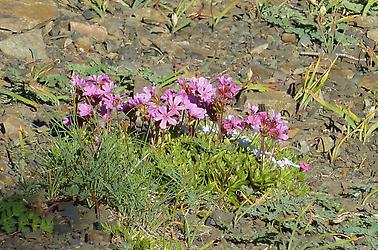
<point>371,129</point>
<point>225,11</point>
<point>18,97</point>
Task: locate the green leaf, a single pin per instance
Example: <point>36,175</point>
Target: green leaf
<point>18,97</point>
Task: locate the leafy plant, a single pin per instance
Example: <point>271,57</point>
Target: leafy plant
<point>318,24</point>
<point>178,20</point>
<point>99,6</point>
<point>312,84</point>
<point>16,217</point>
<point>35,86</point>
<point>313,221</point>
<point>224,169</point>
<point>367,7</point>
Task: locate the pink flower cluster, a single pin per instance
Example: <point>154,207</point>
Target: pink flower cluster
<point>267,124</point>
<point>195,99</point>
<point>95,96</point>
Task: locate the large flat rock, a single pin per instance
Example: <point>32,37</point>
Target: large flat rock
<point>19,15</point>
<point>27,46</point>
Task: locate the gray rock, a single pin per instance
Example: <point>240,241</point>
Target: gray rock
<point>23,15</point>
<point>26,46</point>
<point>219,217</point>
<point>62,229</point>
<point>164,69</point>
<point>113,25</point>
<point>271,100</point>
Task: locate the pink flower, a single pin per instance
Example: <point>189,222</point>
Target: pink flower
<point>161,114</point>
<point>254,121</point>
<point>92,78</point>
<point>108,101</point>
<point>108,87</point>
<point>77,81</point>
<point>205,90</point>
<point>193,110</point>
<point>197,112</point>
<point>67,121</point>
<point>231,123</point>
<point>175,104</point>
<point>168,93</point>
<point>90,90</point>
<point>226,87</point>
<point>85,109</point>
<point>304,166</point>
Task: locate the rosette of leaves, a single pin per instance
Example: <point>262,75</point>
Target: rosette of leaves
<point>16,217</point>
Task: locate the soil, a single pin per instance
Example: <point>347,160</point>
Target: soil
<point>242,42</point>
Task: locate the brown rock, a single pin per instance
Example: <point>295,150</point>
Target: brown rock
<point>171,48</point>
<point>150,16</point>
<point>369,82</point>
<point>3,166</point>
<point>139,84</point>
<point>7,180</point>
<point>202,52</point>
<point>366,21</point>
<point>98,237</point>
<point>289,38</point>
<point>26,14</point>
<point>373,35</point>
<point>271,100</point>
<point>93,31</point>
<point>11,126</point>
<point>293,132</point>
<point>83,44</point>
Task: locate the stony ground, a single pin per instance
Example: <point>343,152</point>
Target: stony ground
<point>36,33</point>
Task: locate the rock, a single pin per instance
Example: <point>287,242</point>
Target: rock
<point>83,44</point>
<point>373,35</point>
<point>23,15</point>
<point>196,51</point>
<point>98,237</point>
<point>324,144</point>
<point>162,69</point>
<point>11,126</point>
<point>369,82</point>
<point>171,48</point>
<point>366,21</point>
<point>3,166</point>
<point>259,49</point>
<point>271,100</point>
<point>219,217</point>
<point>26,46</point>
<point>289,38</point>
<point>260,71</point>
<point>6,180</point>
<point>93,31</point>
<point>62,228</point>
<point>71,213</point>
<point>89,14</point>
<point>150,16</point>
<point>139,84</point>
<point>113,26</point>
